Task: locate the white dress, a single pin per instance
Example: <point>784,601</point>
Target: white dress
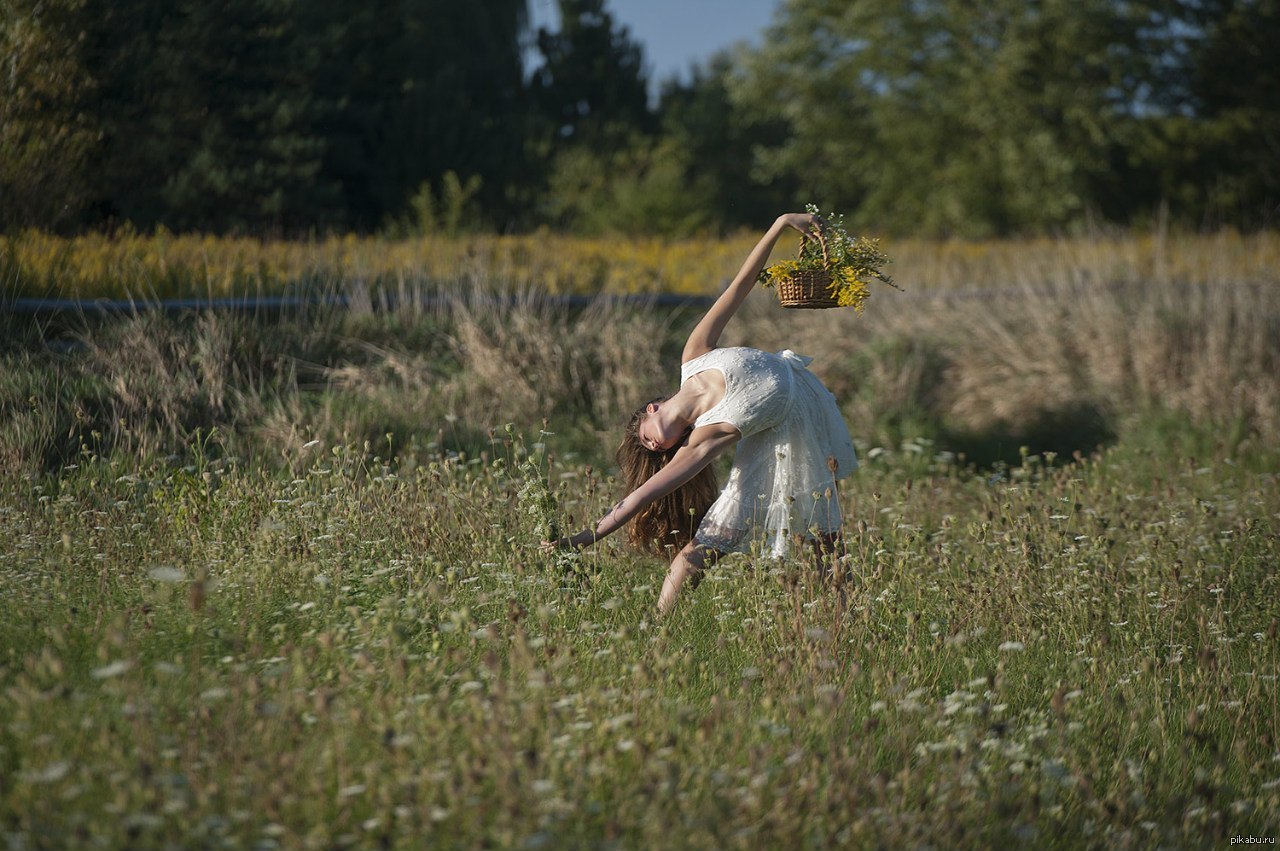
<point>782,481</point>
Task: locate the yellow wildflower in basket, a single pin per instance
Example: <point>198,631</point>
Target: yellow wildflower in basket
<point>831,269</point>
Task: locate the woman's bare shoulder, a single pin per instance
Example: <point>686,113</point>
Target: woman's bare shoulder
<point>692,352</point>
<point>714,433</point>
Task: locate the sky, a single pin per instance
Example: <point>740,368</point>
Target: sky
<point>677,33</point>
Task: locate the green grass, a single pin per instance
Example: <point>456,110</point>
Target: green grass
<point>351,651</point>
<point>272,584</point>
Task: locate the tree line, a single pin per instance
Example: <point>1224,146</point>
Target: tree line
<point>936,117</point>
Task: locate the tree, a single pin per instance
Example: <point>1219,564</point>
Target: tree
<point>412,90</point>
<point>45,138</point>
<point>717,141</point>
<point>593,133</point>
<point>591,88</point>
<point>263,115</point>
<point>1222,140</point>
<point>945,116</point>
<point>202,111</point>
<point>643,188</point>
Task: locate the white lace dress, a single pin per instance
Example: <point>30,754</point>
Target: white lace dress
<point>782,480</point>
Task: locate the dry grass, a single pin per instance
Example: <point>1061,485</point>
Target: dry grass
<point>991,360</point>
<point>1050,361</point>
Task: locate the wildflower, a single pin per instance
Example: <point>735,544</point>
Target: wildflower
<point>115,669</point>
<point>51,773</point>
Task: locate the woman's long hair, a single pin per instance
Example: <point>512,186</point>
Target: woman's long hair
<point>671,520</point>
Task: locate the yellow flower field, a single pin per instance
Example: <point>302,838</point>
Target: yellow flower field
<point>164,265</point>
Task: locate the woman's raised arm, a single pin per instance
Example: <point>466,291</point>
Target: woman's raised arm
<point>707,333</point>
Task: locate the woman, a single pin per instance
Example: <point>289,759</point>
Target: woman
<point>792,446</point>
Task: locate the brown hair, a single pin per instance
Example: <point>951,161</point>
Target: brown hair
<point>671,520</point>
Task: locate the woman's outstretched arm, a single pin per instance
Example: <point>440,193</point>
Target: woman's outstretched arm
<point>701,449</point>
<point>707,333</point>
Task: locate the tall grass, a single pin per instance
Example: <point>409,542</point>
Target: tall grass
<point>368,653</point>
<point>1050,363</point>
<point>270,583</point>
<point>1091,359</point>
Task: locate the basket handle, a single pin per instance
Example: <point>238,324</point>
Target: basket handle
<point>822,243</point>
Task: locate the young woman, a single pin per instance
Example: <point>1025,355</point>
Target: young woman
<point>792,446</point>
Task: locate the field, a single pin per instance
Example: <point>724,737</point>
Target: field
<point>274,582</point>
<point>163,265</point>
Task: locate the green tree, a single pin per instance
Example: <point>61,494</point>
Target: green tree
<point>409,91</point>
<point>45,137</point>
<point>717,141</point>
<point>1222,139</point>
<point>593,134</point>
<point>264,115</point>
<point>644,188</point>
<point>202,109</point>
<point>592,87</point>
<point>946,116</point>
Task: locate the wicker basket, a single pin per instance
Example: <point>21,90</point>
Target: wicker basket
<point>810,289</point>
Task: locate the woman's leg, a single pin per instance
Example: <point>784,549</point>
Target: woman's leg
<point>688,565</point>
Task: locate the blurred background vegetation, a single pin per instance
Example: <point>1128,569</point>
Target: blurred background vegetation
<point>418,159</point>
<point>939,118</point>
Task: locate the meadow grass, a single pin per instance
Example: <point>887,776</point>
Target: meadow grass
<point>274,583</point>
<point>368,653</point>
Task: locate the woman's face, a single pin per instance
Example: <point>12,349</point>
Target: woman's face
<point>656,432</point>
